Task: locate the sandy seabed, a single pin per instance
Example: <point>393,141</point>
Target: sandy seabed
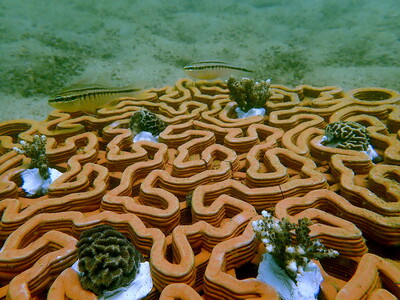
<point>48,46</point>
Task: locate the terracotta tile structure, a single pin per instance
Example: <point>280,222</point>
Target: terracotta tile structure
<point>187,202</point>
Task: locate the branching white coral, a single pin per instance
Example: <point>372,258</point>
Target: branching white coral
<point>289,243</point>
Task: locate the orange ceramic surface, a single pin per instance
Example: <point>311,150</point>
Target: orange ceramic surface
<point>187,202</point>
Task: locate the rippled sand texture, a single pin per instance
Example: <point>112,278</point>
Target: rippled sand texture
<point>46,46</point>
<point>232,169</point>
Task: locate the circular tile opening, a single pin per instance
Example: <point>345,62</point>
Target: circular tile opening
<point>372,95</point>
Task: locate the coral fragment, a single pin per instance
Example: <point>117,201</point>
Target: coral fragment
<point>107,259</point>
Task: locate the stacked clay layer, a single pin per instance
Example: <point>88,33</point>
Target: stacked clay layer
<point>230,169</point>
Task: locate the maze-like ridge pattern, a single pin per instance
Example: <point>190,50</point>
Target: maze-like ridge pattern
<point>230,169</point>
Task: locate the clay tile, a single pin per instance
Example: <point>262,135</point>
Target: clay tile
<point>219,284</point>
<point>384,230</point>
<point>275,175</point>
<point>372,271</point>
<point>13,131</point>
<point>373,96</point>
<point>223,115</point>
<point>188,201</point>
<point>324,207</point>
<point>54,242</point>
<point>179,291</point>
<point>256,134</point>
<point>178,94</point>
<point>356,194</point>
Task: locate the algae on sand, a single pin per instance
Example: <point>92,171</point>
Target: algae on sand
<point>46,75</point>
<point>47,45</point>
<point>286,65</point>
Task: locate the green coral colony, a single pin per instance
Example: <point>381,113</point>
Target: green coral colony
<point>145,120</point>
<point>107,259</point>
<point>36,151</point>
<point>249,94</point>
<point>346,135</point>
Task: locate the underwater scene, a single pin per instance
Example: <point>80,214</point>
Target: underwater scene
<point>200,149</point>
<point>46,47</point>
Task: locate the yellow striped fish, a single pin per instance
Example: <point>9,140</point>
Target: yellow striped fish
<point>88,97</point>
<point>212,69</point>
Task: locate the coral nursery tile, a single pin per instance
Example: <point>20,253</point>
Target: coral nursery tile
<point>187,201</point>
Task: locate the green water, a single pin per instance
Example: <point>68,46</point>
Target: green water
<point>46,45</point>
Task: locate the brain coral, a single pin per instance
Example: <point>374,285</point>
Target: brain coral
<point>144,120</point>
<point>346,135</point>
<point>107,259</point>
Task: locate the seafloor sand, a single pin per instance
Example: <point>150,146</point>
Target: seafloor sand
<point>47,45</point>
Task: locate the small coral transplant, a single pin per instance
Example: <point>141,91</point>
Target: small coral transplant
<point>349,135</point>
<point>250,96</point>
<point>146,126</point>
<point>37,178</point>
<point>287,264</point>
<point>110,266</point>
